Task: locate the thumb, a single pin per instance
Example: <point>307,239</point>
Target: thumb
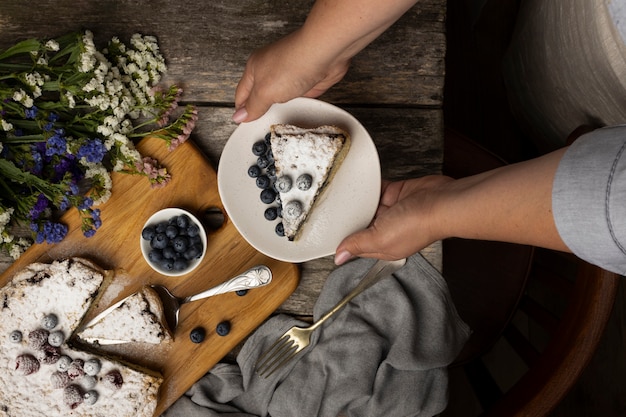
<point>249,106</point>
<point>364,243</point>
<point>242,92</point>
<point>256,106</point>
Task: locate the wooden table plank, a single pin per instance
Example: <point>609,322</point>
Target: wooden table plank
<point>207,43</point>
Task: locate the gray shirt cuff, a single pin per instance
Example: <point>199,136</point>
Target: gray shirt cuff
<point>589,198</point>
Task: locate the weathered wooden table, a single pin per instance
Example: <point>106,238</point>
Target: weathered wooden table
<point>394,87</point>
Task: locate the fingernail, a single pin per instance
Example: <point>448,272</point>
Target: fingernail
<point>240,115</point>
<point>342,257</point>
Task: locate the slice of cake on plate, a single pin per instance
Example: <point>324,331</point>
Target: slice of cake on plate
<point>137,318</point>
<point>306,161</point>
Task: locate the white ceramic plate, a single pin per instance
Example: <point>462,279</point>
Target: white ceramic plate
<point>165,215</point>
<point>347,205</point>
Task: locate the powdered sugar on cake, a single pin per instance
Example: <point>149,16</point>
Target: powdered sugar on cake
<point>138,319</point>
<point>39,378</point>
<point>300,152</point>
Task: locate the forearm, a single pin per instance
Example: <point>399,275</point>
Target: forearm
<point>344,27</point>
<point>511,204</point>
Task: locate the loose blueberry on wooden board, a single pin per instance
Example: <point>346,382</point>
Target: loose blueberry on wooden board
<point>223,328</point>
<point>197,335</point>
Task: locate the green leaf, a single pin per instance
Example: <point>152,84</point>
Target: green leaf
<point>27,46</point>
<point>11,172</point>
<point>69,46</point>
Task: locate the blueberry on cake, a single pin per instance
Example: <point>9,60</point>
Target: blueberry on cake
<point>305,162</point>
<point>136,319</point>
<point>41,373</point>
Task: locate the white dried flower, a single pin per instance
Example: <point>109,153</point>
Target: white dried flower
<point>5,217</point>
<point>71,101</point>
<point>6,126</point>
<point>52,45</point>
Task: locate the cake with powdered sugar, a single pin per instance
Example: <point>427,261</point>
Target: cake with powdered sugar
<point>137,319</point>
<point>306,161</point>
<point>41,374</point>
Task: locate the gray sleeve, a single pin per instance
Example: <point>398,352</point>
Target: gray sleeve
<point>589,198</point>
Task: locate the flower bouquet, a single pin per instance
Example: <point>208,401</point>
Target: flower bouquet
<point>70,115</point>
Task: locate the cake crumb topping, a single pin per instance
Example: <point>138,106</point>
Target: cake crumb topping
<point>43,380</point>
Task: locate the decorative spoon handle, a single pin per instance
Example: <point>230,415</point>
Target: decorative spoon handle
<point>255,277</point>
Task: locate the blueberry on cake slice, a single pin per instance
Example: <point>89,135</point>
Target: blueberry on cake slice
<point>138,318</point>
<point>306,161</point>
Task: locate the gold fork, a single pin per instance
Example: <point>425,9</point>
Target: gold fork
<point>297,338</point>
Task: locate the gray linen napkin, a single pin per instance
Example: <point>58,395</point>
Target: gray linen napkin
<point>384,354</point>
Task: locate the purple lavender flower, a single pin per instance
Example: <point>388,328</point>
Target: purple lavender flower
<point>39,207</point>
<point>64,204</point>
<point>31,112</point>
<point>74,190</point>
<point>59,231</point>
<point>50,232</point>
<point>40,147</point>
<point>95,216</point>
<point>92,222</point>
<point>56,144</point>
<point>56,232</point>
<point>85,204</point>
<point>37,167</point>
<point>93,150</point>
<point>64,165</point>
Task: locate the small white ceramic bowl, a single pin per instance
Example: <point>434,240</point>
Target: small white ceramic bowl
<point>164,216</point>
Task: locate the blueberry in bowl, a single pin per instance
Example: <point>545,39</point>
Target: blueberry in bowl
<point>173,241</point>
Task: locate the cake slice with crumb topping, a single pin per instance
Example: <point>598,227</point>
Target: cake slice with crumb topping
<point>138,319</point>
<point>306,161</point>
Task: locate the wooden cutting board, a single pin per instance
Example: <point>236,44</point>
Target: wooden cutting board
<point>115,246</point>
